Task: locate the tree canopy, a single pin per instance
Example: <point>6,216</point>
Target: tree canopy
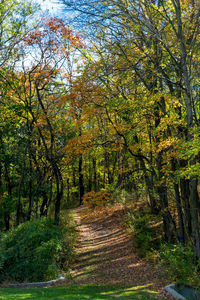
<point>112,108</point>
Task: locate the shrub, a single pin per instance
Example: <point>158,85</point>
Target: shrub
<point>94,200</point>
<point>144,238</point>
<point>33,251</point>
<point>179,263</point>
<point>138,222</point>
<point>122,196</point>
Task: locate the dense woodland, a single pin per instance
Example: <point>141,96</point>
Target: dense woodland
<point>105,102</point>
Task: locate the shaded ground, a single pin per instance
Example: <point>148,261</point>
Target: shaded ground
<point>105,255</point>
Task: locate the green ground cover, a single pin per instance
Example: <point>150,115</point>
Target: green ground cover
<point>79,292</point>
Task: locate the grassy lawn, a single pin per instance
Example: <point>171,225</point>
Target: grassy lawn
<point>78,292</point>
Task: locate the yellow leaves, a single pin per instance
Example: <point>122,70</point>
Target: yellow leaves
<point>176,103</point>
<point>67,160</point>
<point>166,144</point>
<point>170,101</point>
<point>117,127</point>
<point>168,122</point>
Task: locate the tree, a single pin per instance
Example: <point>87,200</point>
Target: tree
<point>155,43</point>
<point>14,23</point>
<point>37,90</point>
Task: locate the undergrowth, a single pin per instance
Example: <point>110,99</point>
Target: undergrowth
<point>180,264</point>
<point>178,261</point>
<point>146,237</point>
<point>96,200</point>
<point>36,250</point>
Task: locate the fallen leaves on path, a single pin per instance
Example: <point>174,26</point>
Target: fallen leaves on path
<point>105,254</point>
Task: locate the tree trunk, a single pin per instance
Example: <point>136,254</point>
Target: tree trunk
<point>194,203</point>
<point>180,214</point>
<point>43,207</point>
<point>150,189</point>
<point>179,207</point>
<point>19,206</point>
<point>94,174</point>
<point>89,175</point>
<point>185,194</point>
<point>9,189</point>
<point>28,216</point>
<point>81,186</point>
<point>193,198</point>
<point>59,192</point>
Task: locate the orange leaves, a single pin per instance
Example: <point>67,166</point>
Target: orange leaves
<point>53,35</point>
<point>55,24</point>
<point>93,200</point>
<point>77,146</point>
<point>68,34</point>
<point>33,37</point>
<point>135,148</point>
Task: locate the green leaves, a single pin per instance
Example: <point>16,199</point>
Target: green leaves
<point>33,251</point>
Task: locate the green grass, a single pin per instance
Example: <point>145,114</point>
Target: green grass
<point>78,292</point>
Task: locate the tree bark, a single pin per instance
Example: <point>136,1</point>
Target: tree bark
<point>80,173</point>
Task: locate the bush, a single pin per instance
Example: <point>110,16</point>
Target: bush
<point>144,238</point>
<point>179,263</point>
<point>138,222</point>
<point>122,196</point>
<point>94,200</point>
<point>33,251</point>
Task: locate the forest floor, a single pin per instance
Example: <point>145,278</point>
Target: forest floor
<point>106,256</point>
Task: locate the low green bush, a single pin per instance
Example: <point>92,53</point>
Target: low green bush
<point>122,196</point>
<point>138,222</point>
<point>33,251</point>
<point>180,263</point>
<point>144,236</point>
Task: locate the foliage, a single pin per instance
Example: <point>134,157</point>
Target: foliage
<point>37,132</point>
<point>146,89</point>
<point>180,263</point>
<point>125,116</point>
<point>122,196</point>
<point>34,251</point>
<point>144,236</point>
<point>93,200</point>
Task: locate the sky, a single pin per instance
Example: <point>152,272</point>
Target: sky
<point>52,5</point>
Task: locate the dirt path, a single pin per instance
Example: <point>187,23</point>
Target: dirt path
<point>105,255</point>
